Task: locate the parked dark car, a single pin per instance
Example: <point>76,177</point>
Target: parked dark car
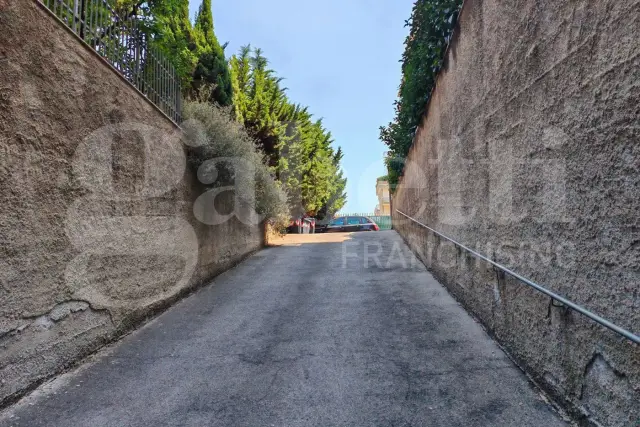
<point>321,226</point>
<point>348,224</point>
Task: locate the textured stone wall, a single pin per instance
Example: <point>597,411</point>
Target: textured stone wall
<point>97,229</point>
<point>530,153</point>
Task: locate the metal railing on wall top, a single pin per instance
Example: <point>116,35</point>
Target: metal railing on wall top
<point>122,39</point>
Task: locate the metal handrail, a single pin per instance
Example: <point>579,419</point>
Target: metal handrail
<point>604,322</point>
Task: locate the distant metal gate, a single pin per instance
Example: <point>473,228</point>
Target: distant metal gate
<point>383,221</point>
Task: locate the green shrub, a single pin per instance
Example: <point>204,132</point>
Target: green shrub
<point>212,133</point>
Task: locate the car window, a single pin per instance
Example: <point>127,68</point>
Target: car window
<point>337,221</point>
<point>364,220</point>
<point>353,220</point>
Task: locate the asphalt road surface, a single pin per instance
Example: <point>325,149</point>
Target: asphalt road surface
<point>303,334</point>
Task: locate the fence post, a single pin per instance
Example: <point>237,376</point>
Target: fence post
<point>121,41</point>
<point>82,17</point>
<point>75,16</point>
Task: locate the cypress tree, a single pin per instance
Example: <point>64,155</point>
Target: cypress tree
<point>177,38</point>
<point>212,67</point>
<point>297,147</point>
<point>204,25</point>
<point>240,66</point>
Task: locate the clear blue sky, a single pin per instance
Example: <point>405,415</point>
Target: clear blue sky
<point>339,57</point>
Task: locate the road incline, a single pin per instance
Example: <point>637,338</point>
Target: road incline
<point>301,334</point>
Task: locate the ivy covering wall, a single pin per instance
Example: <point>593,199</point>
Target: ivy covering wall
<point>431,26</point>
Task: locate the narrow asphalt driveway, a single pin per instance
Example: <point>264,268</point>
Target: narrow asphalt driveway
<point>303,334</point>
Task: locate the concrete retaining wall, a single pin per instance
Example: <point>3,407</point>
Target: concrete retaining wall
<point>530,153</point>
<point>97,229</point>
